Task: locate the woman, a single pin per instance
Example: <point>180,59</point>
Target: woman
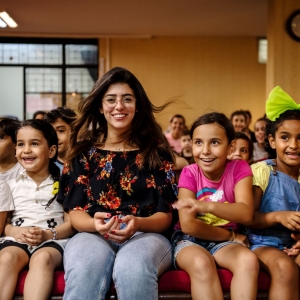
<point>118,187</point>
<point>177,125</point>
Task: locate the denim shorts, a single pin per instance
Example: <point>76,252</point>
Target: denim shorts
<point>278,241</point>
<point>181,240</point>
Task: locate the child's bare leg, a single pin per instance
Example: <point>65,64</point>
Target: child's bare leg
<point>283,271</point>
<point>244,266</point>
<point>12,261</point>
<point>39,281</point>
<point>201,267</point>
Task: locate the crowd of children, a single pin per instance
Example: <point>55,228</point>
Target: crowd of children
<point>238,196</point>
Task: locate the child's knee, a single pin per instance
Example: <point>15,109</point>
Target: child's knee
<point>41,259</point>
<point>248,261</point>
<point>8,259</point>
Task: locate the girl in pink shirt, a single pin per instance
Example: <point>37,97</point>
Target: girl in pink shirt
<point>215,194</point>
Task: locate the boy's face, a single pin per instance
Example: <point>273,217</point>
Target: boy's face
<point>239,150</point>
<point>186,142</point>
<point>63,131</point>
<point>7,148</point>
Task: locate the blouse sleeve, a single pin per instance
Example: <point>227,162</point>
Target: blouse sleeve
<point>163,180</point>
<point>74,184</point>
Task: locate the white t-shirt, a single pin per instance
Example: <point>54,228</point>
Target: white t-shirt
<point>6,201</point>
<point>11,173</point>
<point>30,206</point>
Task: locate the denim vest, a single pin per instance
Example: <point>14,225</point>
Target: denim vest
<point>282,194</point>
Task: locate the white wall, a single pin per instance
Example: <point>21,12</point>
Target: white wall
<point>11,92</point>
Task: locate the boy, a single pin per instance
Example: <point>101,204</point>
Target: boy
<point>61,119</point>
<point>186,145</point>
<point>9,166</point>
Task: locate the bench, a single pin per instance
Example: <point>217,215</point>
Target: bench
<point>172,285</point>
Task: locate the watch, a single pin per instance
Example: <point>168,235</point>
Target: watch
<point>293,25</point>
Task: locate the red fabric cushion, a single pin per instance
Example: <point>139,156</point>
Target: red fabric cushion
<point>179,281</point>
<point>171,281</point>
<point>58,284</point>
<point>264,281</point>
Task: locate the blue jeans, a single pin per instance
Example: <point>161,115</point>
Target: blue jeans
<point>90,263</point>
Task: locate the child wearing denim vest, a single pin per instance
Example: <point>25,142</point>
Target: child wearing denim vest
<point>276,191</point>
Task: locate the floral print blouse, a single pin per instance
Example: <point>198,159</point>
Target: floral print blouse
<point>117,183</point>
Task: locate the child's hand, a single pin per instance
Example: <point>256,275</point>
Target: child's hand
<point>18,234</point>
<point>289,219</point>
<point>295,250</point>
<point>34,236</point>
<point>242,239</point>
<point>291,251</point>
<point>192,204</point>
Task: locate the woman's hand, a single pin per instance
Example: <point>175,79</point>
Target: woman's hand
<point>122,235</point>
<point>104,223</point>
<point>34,236</point>
<point>289,219</point>
<point>242,239</point>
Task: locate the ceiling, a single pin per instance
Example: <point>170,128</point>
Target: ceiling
<point>136,18</point>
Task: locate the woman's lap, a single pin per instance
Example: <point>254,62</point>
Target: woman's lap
<point>145,256</point>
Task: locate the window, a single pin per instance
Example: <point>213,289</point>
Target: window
<point>57,72</point>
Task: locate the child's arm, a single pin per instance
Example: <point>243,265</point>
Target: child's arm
<point>3,215</point>
<point>35,235</point>
<point>289,219</point>
<point>187,207</point>
<point>14,231</point>
<point>240,212</point>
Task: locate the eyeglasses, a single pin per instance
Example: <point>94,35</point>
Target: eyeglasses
<point>111,101</point>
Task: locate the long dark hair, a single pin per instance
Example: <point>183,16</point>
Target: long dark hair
<point>272,127</point>
<point>49,134</point>
<point>90,127</point>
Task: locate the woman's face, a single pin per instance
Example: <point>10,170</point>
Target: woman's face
<point>119,118</point>
<point>177,125</point>
<point>239,123</point>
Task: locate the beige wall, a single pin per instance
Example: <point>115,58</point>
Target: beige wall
<point>208,74</point>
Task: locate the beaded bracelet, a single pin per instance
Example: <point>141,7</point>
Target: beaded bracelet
<point>54,233</point>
